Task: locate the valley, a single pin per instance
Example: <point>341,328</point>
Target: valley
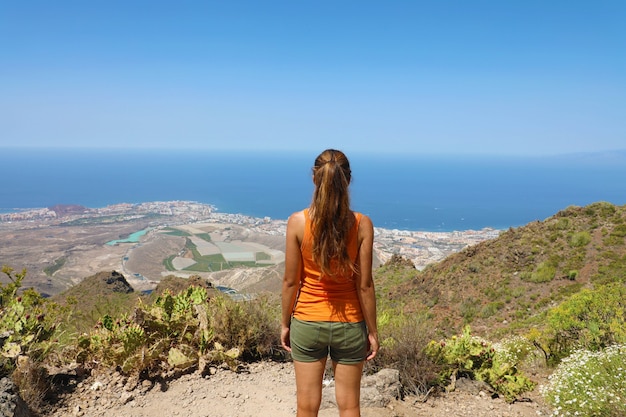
<point>145,242</point>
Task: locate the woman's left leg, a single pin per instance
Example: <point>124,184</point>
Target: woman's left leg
<point>309,376</point>
<point>348,388</point>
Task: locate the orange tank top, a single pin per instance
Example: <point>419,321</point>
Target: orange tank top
<point>327,298</point>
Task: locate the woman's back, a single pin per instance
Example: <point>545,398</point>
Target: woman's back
<point>323,297</point>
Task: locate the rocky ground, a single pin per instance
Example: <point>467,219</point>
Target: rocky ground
<point>264,389</point>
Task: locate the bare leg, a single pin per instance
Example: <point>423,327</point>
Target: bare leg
<point>348,388</point>
<point>309,377</point>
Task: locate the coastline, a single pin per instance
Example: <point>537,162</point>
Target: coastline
<point>440,193</point>
<point>78,239</point>
<point>173,207</point>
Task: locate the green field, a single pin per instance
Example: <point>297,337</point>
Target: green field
<point>213,262</point>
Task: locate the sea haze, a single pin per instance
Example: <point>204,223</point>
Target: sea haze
<point>437,193</point>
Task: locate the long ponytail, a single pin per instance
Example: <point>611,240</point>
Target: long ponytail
<point>331,216</point>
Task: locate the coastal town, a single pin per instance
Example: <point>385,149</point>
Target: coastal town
<point>421,247</point>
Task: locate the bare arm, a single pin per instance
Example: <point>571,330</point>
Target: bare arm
<point>291,279</point>
<point>365,284</point>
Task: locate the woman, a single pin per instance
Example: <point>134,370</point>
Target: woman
<point>328,298</point>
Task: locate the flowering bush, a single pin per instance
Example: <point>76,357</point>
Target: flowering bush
<point>589,384</point>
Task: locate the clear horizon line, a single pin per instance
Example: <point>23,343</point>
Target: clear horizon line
<point>386,152</point>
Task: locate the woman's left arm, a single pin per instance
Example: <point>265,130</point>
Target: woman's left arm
<point>291,278</point>
<point>365,284</point>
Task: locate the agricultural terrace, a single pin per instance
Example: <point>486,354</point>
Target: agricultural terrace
<point>213,247</point>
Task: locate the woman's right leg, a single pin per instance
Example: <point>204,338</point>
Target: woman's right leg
<point>309,376</point>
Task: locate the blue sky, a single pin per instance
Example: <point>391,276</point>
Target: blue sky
<point>467,77</point>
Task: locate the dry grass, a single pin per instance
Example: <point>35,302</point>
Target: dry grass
<point>32,382</point>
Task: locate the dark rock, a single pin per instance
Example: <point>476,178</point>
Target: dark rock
<point>399,261</point>
<point>472,386</point>
<point>115,281</point>
<point>11,404</point>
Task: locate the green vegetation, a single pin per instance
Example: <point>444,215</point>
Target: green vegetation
<point>178,332</point>
<point>580,239</point>
<point>118,218</point>
<point>58,264</point>
<point>168,263</point>
<point>479,359</point>
<point>557,284</point>
<point>589,383</point>
<point>27,325</point>
<point>548,295</point>
<point>205,263</point>
<point>214,262</point>
<point>262,256</point>
<point>545,272</point>
<point>176,232</point>
<point>204,236</point>
<point>403,338</point>
<point>151,337</point>
<point>101,294</point>
<point>590,319</point>
<point>614,271</point>
<point>91,310</point>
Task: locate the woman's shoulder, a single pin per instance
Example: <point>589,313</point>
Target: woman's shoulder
<point>362,217</point>
<point>297,217</point>
<point>365,223</point>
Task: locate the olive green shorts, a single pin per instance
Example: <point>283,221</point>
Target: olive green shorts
<point>313,340</point>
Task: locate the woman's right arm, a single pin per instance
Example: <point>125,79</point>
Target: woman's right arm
<point>365,285</point>
<point>291,279</point>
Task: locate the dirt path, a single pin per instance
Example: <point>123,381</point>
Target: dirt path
<point>266,390</point>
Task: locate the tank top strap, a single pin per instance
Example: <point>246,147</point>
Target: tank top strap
<point>358,216</point>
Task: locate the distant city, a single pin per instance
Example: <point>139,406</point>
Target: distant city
<point>421,247</point>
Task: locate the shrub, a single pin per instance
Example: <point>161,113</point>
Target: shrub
<point>580,239</point>
<point>27,325</point>
<point>476,358</point>
<point>250,327</point>
<point>27,322</point>
<point>490,309</point>
<point>602,209</point>
<point>615,271</point>
<point>562,224</point>
<point>589,384</point>
<point>32,381</point>
<point>613,240</point>
<point>544,273</point>
<point>178,332</point>
<point>469,309</point>
<point>589,319</point>
<point>403,342</point>
<point>619,230</point>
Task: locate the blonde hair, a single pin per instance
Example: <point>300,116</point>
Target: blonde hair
<point>331,216</point>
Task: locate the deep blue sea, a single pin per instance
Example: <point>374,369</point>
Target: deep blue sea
<point>435,193</point>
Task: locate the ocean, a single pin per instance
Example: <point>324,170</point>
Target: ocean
<point>406,192</point>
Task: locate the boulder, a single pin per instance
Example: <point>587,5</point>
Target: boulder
<point>376,390</point>
<point>11,404</point>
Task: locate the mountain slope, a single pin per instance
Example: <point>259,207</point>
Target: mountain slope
<point>506,283</point>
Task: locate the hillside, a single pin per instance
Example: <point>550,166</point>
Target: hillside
<point>108,293</point>
<point>505,284</point>
<point>499,286</point>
